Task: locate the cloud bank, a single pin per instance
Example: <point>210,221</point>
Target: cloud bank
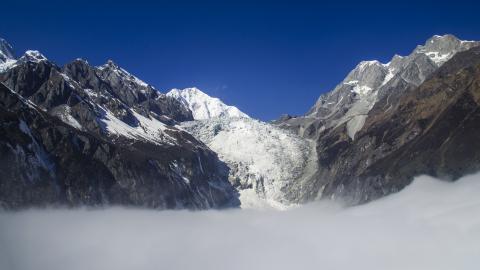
<point>429,225</point>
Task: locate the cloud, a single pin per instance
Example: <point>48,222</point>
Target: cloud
<point>429,225</point>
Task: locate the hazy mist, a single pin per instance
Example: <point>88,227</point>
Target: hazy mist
<point>429,225</point>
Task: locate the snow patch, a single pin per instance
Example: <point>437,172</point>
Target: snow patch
<point>8,64</point>
<point>149,129</point>
<point>352,83</point>
<point>365,64</point>
<point>439,58</point>
<point>41,157</point>
<point>389,76</point>
<point>362,90</point>
<point>64,113</point>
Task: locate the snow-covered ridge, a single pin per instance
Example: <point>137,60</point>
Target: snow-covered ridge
<point>33,56</point>
<point>204,106</point>
<point>441,48</point>
<point>367,79</point>
<point>7,61</point>
<point>147,128</point>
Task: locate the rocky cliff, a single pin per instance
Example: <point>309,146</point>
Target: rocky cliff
<point>376,131</point>
<point>83,135</point>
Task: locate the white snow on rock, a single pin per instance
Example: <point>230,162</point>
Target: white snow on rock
<point>149,129</point>
<point>7,64</point>
<point>368,77</point>
<point>438,57</point>
<point>263,159</point>
<point>7,57</point>
<point>33,56</point>
<point>40,157</point>
<point>441,48</point>
<point>204,106</point>
<point>64,113</point>
<point>30,56</point>
<point>362,90</point>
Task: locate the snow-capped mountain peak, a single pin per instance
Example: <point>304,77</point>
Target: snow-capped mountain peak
<point>33,56</point>
<point>352,99</point>
<point>441,48</point>
<point>204,106</point>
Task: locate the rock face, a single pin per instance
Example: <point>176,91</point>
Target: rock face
<point>371,81</point>
<point>81,135</point>
<point>386,123</point>
<point>204,106</point>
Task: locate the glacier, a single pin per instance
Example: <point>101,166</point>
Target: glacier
<point>263,159</point>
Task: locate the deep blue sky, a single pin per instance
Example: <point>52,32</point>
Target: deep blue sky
<point>267,58</point>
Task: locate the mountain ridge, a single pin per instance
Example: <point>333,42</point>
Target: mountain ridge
<point>89,136</point>
<point>185,149</point>
<point>346,159</point>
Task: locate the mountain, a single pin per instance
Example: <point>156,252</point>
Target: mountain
<point>84,135</point>
<point>386,123</point>
<point>203,106</point>
<point>371,81</point>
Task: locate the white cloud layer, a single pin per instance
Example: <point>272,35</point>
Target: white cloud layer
<point>429,225</point>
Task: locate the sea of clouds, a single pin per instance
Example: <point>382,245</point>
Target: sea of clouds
<point>429,225</point>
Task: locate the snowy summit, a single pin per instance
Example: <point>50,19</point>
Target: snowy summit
<point>204,106</point>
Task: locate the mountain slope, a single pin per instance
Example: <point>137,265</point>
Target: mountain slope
<point>204,106</point>
<point>422,121</point>
<point>84,135</point>
<point>371,81</point>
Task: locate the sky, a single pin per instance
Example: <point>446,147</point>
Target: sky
<point>268,58</point>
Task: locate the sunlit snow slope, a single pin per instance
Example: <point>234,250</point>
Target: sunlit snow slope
<point>204,106</point>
